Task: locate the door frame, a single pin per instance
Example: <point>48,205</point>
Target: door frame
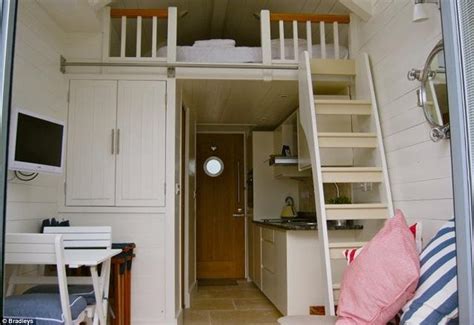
<point>462,157</point>
<point>8,10</point>
<point>244,134</point>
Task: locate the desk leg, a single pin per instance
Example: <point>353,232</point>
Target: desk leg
<point>105,275</point>
<point>99,294</point>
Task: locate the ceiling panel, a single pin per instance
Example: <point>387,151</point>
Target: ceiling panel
<point>264,104</point>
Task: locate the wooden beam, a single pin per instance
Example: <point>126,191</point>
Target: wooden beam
<point>134,13</point>
<point>218,18</point>
<point>341,19</point>
<point>362,8</point>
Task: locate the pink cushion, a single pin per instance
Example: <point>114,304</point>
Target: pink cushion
<point>351,253</point>
<point>382,278</point>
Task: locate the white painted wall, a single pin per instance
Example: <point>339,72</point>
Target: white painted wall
<point>419,170</point>
<point>269,193</point>
<point>38,86</point>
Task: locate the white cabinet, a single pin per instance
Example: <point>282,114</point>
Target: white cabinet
<point>90,172</point>
<point>116,143</point>
<point>291,269</point>
<point>274,256</point>
<point>141,138</point>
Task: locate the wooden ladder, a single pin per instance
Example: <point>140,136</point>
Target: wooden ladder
<point>368,158</point>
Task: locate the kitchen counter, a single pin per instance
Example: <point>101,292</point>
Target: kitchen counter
<point>302,225</point>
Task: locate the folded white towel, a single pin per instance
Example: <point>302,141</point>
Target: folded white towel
<point>215,43</point>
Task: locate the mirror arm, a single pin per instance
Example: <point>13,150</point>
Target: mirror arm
<point>440,133</point>
<point>415,74</point>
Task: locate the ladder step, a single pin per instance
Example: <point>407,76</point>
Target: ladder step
<point>347,140</point>
<point>336,288</point>
<point>333,67</point>
<point>343,107</point>
<point>352,174</point>
<point>358,211</point>
<point>336,250</point>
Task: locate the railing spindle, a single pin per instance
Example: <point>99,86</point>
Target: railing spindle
<point>154,36</point>
<point>295,39</point>
<point>323,39</point>
<point>336,39</point>
<point>139,36</point>
<point>309,38</point>
<point>123,37</point>
<point>282,40</point>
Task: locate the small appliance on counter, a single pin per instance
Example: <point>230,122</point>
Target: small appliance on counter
<point>288,210</point>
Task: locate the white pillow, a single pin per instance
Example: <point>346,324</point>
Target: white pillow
<point>215,43</point>
<point>288,42</point>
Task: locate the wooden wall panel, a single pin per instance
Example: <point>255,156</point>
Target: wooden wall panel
<point>420,170</point>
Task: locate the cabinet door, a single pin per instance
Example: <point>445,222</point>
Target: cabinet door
<point>141,143</point>
<point>90,179</point>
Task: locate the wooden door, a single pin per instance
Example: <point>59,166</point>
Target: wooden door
<point>90,173</point>
<point>141,143</point>
<point>220,208</point>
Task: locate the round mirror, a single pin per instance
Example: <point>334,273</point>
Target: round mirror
<point>433,94</point>
<point>213,166</point>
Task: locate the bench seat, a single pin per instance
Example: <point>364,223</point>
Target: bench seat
<point>307,320</point>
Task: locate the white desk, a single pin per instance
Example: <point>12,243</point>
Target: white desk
<point>92,258</point>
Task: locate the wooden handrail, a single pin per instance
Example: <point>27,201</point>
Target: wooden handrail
<point>341,19</point>
<point>134,13</point>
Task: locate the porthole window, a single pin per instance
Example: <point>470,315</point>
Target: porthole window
<point>213,166</point>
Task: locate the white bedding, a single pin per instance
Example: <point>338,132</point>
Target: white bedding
<point>241,54</point>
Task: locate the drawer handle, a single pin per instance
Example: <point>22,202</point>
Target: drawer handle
<point>113,141</point>
<point>118,141</point>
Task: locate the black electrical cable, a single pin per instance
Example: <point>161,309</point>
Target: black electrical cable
<point>25,177</point>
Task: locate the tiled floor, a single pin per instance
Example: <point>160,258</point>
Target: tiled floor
<point>242,304</point>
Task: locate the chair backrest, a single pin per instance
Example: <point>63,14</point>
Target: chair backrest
<point>83,237</point>
<point>40,249</point>
<point>32,248</point>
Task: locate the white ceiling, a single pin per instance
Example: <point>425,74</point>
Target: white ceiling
<point>264,104</point>
<point>73,15</point>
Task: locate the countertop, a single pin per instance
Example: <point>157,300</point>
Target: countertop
<point>302,225</point>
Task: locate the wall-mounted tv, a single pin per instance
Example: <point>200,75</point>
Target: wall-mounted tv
<point>36,143</point>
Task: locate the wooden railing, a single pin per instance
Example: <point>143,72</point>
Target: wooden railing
<point>295,19</point>
<point>266,19</point>
<point>140,15</point>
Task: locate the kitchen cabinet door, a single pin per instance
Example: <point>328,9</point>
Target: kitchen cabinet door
<point>90,170</point>
<point>257,256</point>
<point>141,143</point>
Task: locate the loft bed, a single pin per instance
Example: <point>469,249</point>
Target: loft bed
<point>148,38</point>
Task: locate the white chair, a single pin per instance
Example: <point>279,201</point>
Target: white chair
<point>74,238</point>
<point>39,249</point>
<point>86,237</point>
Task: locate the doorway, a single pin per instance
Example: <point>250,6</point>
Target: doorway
<point>220,206</point>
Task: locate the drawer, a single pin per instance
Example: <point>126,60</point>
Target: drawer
<point>269,282</point>
<point>268,234</point>
<point>268,256</point>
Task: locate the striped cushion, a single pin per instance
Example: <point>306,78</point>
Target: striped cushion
<point>436,300</point>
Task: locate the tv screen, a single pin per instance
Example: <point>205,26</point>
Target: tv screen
<point>38,143</point>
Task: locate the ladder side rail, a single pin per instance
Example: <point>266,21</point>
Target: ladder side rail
<point>308,122</point>
<point>368,89</point>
